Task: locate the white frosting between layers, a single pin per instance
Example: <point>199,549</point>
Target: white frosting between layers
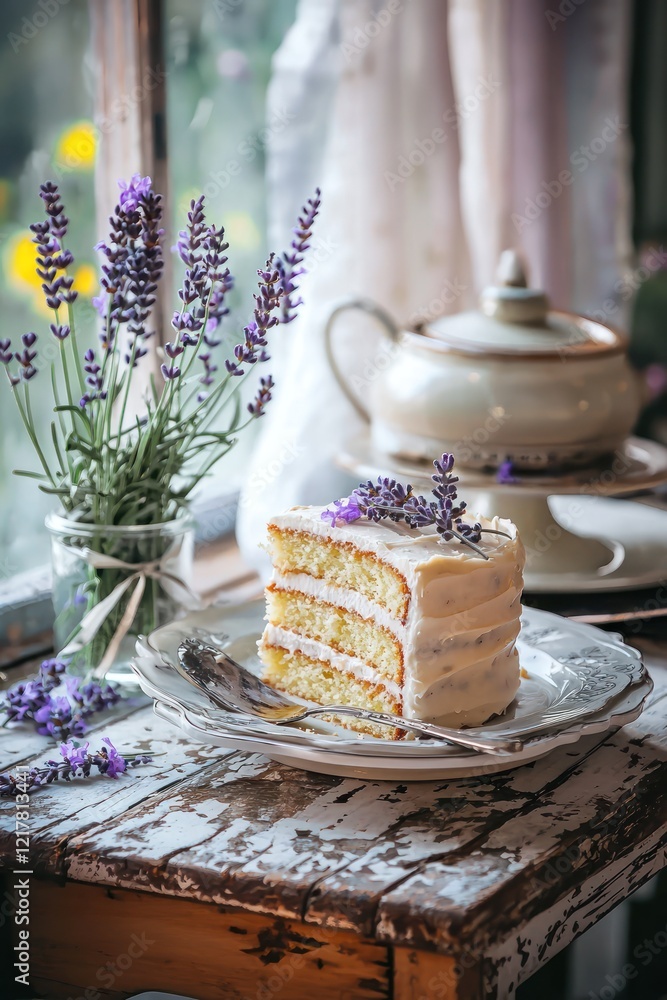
<point>293,643</point>
<point>463,618</point>
<point>341,597</point>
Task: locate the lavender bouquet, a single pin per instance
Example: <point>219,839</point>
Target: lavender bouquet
<point>123,470</point>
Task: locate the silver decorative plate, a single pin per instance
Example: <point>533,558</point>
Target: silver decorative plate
<point>577,681</point>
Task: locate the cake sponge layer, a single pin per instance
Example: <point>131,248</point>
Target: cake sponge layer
<point>343,630</point>
<point>341,564</point>
<point>320,682</point>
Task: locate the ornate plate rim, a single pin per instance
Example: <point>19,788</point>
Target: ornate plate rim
<point>356,745</point>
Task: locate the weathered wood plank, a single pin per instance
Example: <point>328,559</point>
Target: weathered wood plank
<point>135,849</point>
<point>270,839</point>
<point>521,954</point>
<point>457,815</point>
<point>437,865</point>
<point>606,809</point>
<point>58,813</point>
<point>424,975</point>
<point>130,942</point>
<point>270,836</point>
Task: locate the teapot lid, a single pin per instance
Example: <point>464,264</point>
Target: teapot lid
<point>514,319</point>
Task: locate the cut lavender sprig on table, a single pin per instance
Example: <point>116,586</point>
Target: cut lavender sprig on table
<point>389,499</point>
<point>59,715</point>
<point>75,762</point>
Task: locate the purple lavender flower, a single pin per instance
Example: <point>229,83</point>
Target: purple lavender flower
<point>94,380</point>
<point>93,697</point>
<point>169,373</point>
<point>263,396</point>
<point>267,303</point>
<point>51,672</point>
<point>132,193</point>
<point>56,718</point>
<point>77,762</point>
<point>505,474</point>
<point>99,304</point>
<point>6,353</point>
<point>209,370</point>
<point>24,699</point>
<point>344,512</point>
<point>134,262</point>
<point>190,239</point>
<point>289,266</point>
<point>206,280</point>
<point>113,763</point>
<point>52,256</point>
<point>57,715</point>
<point>392,500</point>
<point>11,786</point>
<point>471,532</point>
<point>25,357</point>
<point>58,221</point>
<point>74,755</point>
<point>173,350</point>
<point>60,331</point>
<point>217,309</point>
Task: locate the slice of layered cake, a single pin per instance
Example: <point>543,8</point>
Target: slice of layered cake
<point>397,604</point>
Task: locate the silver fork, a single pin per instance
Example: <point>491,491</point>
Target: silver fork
<point>232,687</point>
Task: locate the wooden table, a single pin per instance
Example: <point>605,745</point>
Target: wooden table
<point>218,874</point>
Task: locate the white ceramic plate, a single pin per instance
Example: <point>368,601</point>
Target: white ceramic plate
<point>580,681</point>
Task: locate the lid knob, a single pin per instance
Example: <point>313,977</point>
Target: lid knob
<point>511,301</point>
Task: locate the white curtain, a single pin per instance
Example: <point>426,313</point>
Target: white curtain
<point>440,132</point>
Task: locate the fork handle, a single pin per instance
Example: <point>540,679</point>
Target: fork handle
<point>498,745</point>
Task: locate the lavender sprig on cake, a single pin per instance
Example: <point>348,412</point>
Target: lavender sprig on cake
<point>390,499</point>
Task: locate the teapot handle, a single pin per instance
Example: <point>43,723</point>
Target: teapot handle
<point>392,331</point>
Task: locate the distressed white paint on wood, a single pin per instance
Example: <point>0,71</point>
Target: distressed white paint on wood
<point>274,840</point>
<point>129,849</point>
<point>272,834</point>
<point>576,822</point>
<point>539,939</point>
<point>58,812</point>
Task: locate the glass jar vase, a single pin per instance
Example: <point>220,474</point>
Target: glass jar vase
<point>96,563</point>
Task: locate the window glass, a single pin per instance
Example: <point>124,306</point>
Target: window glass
<point>219,66</point>
<point>46,102</point>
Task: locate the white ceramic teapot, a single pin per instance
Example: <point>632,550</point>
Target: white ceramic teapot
<point>514,381</point>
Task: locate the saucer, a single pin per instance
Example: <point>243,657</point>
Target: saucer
<point>577,537</point>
